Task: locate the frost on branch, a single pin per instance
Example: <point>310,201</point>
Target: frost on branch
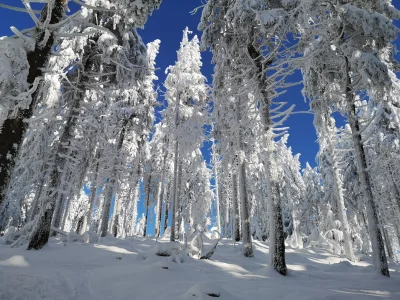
<point>14,69</point>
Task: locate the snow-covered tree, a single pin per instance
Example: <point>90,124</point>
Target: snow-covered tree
<point>355,43</point>
<point>186,94</point>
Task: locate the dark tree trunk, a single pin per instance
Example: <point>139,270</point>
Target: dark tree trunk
<point>146,215</point>
<point>115,226</point>
<point>13,130</point>
<point>166,217</point>
<point>235,206</point>
<point>80,225</point>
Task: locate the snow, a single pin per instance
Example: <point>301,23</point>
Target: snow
<point>130,269</point>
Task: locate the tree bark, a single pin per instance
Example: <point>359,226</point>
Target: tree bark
<point>277,238</point>
<point>227,210</point>
<point>174,193</point>
<point>235,209</point>
<point>166,216</point>
<point>178,203</point>
<point>389,249</point>
<point>93,190</point>
<point>217,191</point>
<point>378,247</point>
<point>13,130</point>
<point>60,203</point>
<point>112,180</point>
<point>147,203</point>
<point>160,194</point>
<point>41,231</point>
<point>34,209</point>
<point>244,202</point>
<point>323,119</point>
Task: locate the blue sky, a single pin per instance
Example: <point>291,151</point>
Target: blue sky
<point>167,24</point>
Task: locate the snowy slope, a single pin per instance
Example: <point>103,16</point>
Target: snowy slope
<point>128,269</point>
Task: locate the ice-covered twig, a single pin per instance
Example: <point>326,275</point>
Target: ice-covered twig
<point>95,7</point>
<point>18,9</point>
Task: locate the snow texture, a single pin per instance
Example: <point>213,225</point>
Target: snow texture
<point>128,269</point>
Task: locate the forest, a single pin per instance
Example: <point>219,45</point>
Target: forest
<point>197,172</point>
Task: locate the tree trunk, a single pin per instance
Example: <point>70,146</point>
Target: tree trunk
<point>342,212</point>
<point>217,201</point>
<point>93,191</point>
<point>244,202</point>
<point>217,192</point>
<point>115,226</point>
<point>58,213</point>
<point>296,236</point>
<point>115,215</point>
<point>244,209</point>
<point>135,199</point>
<point>112,180</point>
<point>387,243</point>
<point>378,248</point>
<point>60,203</point>
<point>175,184</point>
<point>160,193</point>
<point>77,188</point>
<point>147,203</point>
<point>178,203</point>
<point>166,216</point>
<point>105,218</point>
<point>227,210</point>
<point>277,238</point>
<point>41,231</point>
<point>13,130</point>
<point>395,188</point>
<point>235,209</point>
<point>328,128</point>
<point>66,209</point>
<point>397,230</point>
<point>174,193</point>
<point>34,209</point>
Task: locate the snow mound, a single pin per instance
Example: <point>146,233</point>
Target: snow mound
<point>10,235</point>
<point>74,237</point>
<point>90,237</point>
<point>346,267</point>
<point>15,261</point>
<point>167,249</point>
<point>207,291</point>
<point>16,237</point>
<point>167,234</point>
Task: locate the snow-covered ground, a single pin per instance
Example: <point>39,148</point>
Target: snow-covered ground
<point>128,269</point>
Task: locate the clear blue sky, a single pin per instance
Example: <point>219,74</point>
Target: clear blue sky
<point>167,24</point>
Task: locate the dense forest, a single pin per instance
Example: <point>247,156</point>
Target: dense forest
<point>81,146</point>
